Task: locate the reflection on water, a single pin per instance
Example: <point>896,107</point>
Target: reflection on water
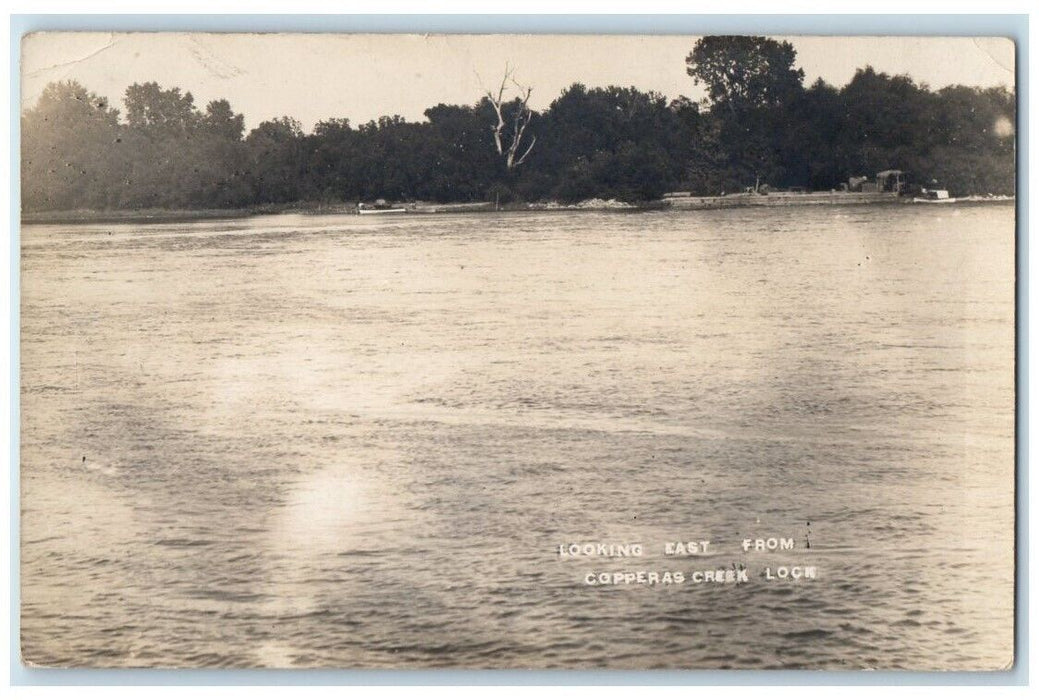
<point>320,441</point>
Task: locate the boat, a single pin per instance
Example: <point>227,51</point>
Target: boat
<point>381,206</point>
<point>400,210</point>
<point>934,197</point>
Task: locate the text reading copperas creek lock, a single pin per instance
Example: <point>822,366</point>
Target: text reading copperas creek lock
<point>735,575</point>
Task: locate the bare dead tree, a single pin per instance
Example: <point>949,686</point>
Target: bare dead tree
<point>520,121</point>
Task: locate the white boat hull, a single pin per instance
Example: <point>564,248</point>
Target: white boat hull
<point>381,211</point>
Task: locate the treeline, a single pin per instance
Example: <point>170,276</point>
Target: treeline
<point>759,124</point>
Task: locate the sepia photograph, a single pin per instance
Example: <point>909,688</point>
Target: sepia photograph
<point>517,351</point>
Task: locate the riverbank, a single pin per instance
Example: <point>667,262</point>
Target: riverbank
<point>86,216</point>
<point>780,199</point>
<point>89,216</point>
<point>678,201</point>
<point>688,201</point>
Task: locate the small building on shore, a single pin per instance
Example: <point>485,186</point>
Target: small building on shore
<point>896,181</point>
<point>893,181</point>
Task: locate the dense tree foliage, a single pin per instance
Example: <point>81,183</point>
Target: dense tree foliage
<point>70,147</point>
<point>610,142</point>
<point>745,72</point>
<point>757,124</point>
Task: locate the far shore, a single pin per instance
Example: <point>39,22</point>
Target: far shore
<point>685,202</point>
<point>313,208</point>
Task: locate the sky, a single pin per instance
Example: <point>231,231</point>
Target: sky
<point>312,77</point>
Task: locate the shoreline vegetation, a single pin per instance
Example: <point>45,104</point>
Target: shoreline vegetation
<point>759,131</point>
<point>692,203</point>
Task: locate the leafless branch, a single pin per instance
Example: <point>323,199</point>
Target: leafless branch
<point>520,120</point>
<point>533,140</point>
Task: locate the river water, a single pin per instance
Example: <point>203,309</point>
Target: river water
<point>300,441</point>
